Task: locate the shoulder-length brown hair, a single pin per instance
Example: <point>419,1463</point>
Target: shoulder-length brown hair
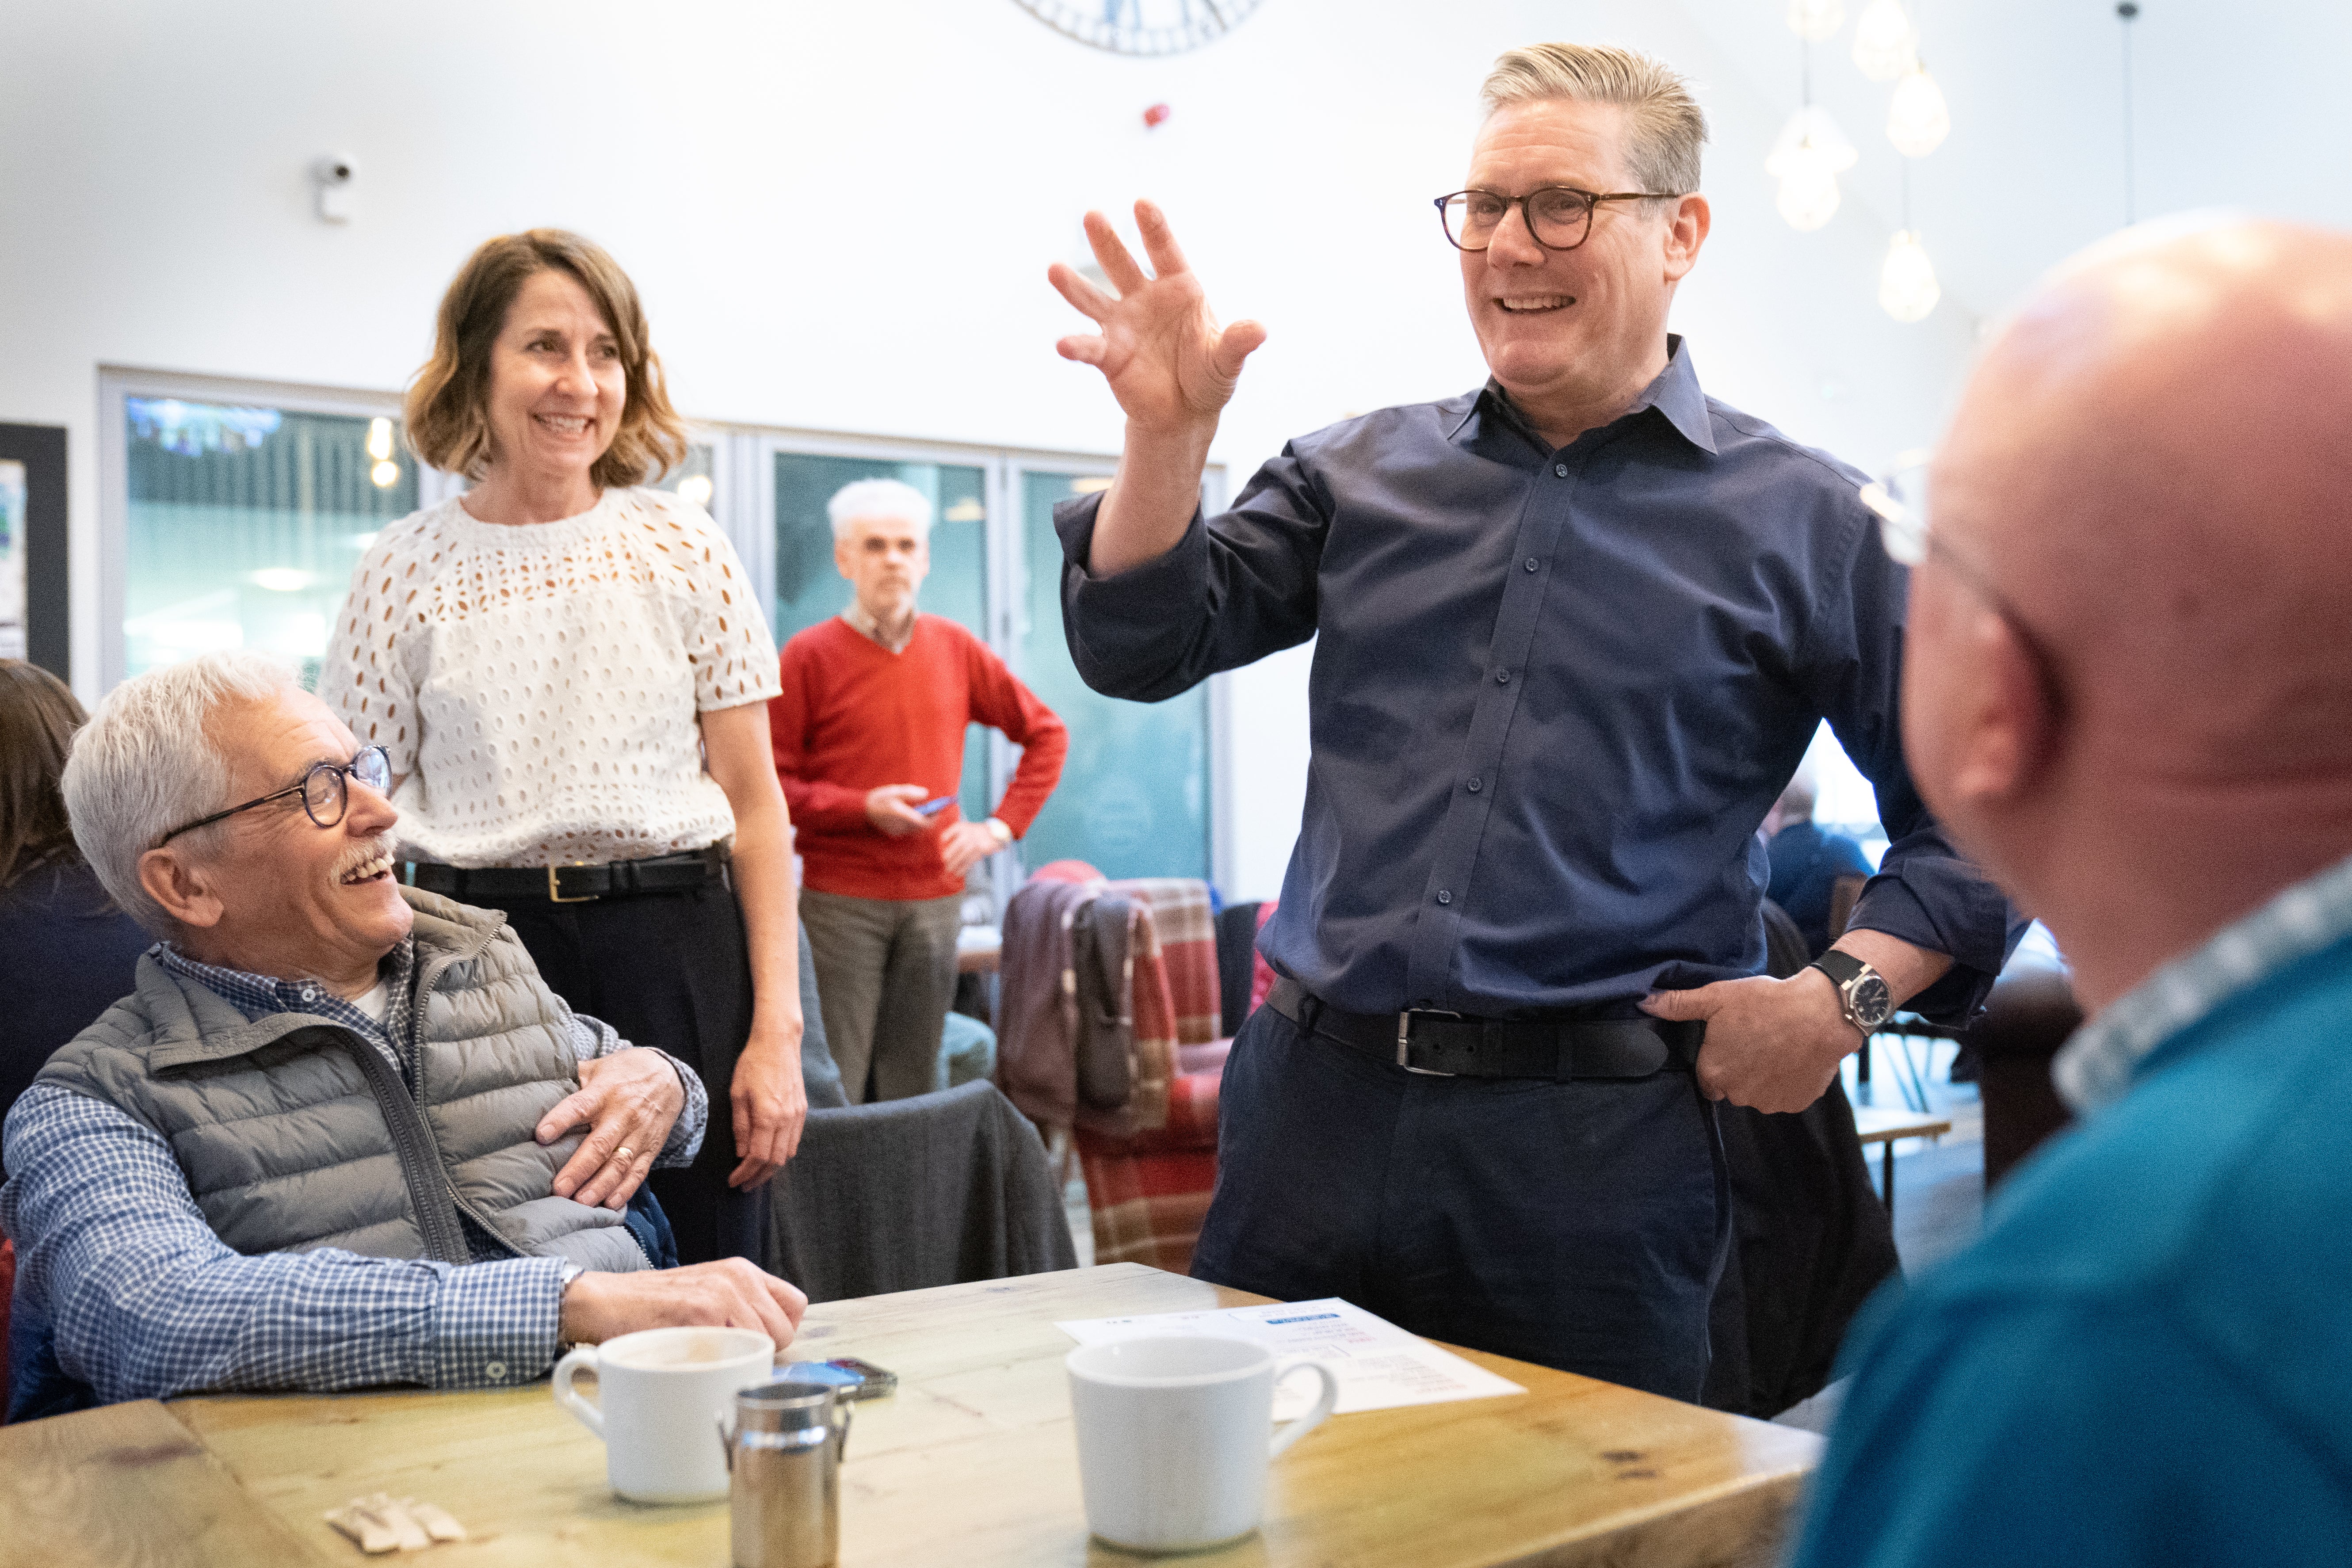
<point>38,717</point>
<point>449,422</point>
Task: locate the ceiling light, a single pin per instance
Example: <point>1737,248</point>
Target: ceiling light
<point>1808,197</point>
<point>1814,20</point>
<point>1907,289</point>
<point>1885,45</point>
<point>1919,119</point>
<point>967,510</point>
<point>379,442</point>
<point>694,488</point>
<point>284,579</point>
<point>1807,159</point>
<point>386,473</point>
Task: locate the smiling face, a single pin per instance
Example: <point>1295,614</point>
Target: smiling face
<point>269,892</point>
<point>557,385</point>
<point>1572,331</point>
<point>885,559</point>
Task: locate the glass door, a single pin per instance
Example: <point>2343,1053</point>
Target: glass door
<point>242,523</point>
<point>1134,796</point>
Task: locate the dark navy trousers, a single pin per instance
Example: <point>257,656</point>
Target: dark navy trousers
<point>1579,1225</point>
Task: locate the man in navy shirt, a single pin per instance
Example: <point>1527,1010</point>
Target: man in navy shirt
<point>1575,630</point>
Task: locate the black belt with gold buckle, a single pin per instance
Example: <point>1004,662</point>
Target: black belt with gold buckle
<point>1455,1045</point>
<point>573,884</point>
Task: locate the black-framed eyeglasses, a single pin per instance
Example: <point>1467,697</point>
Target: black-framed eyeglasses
<point>325,790</point>
<point>1899,498</point>
<point>1559,217</point>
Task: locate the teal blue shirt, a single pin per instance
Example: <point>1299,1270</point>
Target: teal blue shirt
<point>2146,1358</point>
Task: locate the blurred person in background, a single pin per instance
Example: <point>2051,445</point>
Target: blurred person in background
<point>66,953</point>
<point>1807,859</point>
<point>869,738</point>
<point>569,672</point>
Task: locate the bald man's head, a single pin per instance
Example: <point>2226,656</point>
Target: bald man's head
<point>2130,648</point>
<point>2154,462</point>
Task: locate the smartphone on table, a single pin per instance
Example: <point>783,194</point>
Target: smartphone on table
<point>856,1379</point>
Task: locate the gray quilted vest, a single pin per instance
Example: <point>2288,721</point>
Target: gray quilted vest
<point>295,1133</point>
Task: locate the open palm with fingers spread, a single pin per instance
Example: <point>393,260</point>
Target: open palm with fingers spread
<point>1169,364</point>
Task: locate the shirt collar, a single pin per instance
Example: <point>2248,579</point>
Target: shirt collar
<point>2098,1064</point>
<point>870,628</point>
<point>259,995</point>
<point>1675,394</point>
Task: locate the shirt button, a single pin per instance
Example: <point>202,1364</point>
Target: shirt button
<point>1560,471</point>
<point>495,1371</point>
<point>1474,786</point>
<point>1531,562</point>
<point>1502,678</point>
<point>310,994</point>
<point>1445,896</point>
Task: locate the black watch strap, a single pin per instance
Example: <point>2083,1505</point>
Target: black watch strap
<point>1841,967</point>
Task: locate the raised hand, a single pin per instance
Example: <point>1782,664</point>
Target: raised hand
<point>1169,364</point>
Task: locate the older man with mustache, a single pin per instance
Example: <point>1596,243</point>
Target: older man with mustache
<point>332,1137</point>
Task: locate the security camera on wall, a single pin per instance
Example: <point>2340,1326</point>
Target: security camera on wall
<point>332,175</point>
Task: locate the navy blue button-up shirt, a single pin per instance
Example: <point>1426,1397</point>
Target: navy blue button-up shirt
<point>1554,693</point>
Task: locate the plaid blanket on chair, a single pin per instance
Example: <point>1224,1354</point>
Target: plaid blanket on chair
<point>1149,1191</point>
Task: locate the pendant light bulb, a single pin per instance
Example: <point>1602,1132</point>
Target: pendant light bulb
<point>1885,45</point>
<point>1810,154</point>
<point>1907,289</point>
<point>1814,20</point>
<point>1808,197</point>
<point>1919,119</point>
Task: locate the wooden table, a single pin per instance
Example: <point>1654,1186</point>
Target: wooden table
<point>969,1463</point>
<point>1884,1127</point>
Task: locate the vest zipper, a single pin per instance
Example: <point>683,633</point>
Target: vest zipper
<point>427,979</point>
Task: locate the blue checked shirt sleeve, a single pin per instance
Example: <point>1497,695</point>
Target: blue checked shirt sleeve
<point>595,1038</point>
<point>145,1301</point>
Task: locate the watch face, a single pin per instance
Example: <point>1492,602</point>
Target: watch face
<point>1870,1000</point>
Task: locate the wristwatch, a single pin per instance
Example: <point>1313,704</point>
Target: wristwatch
<point>1863,995</point>
<point>999,831</point>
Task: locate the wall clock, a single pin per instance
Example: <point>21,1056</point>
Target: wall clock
<point>1142,27</point>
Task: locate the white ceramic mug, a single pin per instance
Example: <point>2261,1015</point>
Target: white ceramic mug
<point>662,1396</point>
<point>1172,1436</point>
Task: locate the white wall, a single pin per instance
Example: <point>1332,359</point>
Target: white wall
<point>840,216</point>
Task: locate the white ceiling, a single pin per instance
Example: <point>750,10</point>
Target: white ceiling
<point>2238,102</point>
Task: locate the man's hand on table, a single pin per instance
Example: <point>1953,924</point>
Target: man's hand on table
<point>732,1293</point>
<point>628,1101</point>
<point>1774,1045</point>
<point>889,808</point>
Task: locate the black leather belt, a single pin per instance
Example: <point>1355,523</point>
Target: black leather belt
<point>573,884</point>
<point>1452,1045</point>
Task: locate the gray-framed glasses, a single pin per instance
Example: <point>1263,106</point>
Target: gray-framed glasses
<point>325,790</point>
<point>1899,499</point>
<point>1560,216</point>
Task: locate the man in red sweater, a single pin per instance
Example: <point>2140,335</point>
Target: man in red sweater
<point>869,737</point>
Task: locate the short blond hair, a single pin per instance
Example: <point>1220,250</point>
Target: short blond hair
<point>1665,128</point>
<point>446,409</point>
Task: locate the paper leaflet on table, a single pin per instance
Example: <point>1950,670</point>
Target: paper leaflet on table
<point>1379,1365</point>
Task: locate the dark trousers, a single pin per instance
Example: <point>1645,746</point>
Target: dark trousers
<point>671,969</point>
<point>1577,1225</point>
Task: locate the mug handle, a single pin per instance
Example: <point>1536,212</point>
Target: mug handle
<point>1324,1401</point>
<point>587,1414</point>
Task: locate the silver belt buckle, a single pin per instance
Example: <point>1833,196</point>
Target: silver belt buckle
<point>1404,1038</point>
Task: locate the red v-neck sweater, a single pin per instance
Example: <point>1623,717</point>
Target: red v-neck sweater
<point>855,716</point>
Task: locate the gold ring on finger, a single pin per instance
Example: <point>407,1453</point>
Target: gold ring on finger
<point>625,1152</point>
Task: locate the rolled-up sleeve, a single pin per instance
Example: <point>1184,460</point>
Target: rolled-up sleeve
<point>144,1302</point>
<point>1926,892</point>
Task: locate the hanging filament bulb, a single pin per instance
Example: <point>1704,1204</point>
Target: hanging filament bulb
<point>1810,154</point>
<point>1814,20</point>
<point>1907,289</point>
<point>1917,119</point>
<point>1885,45</point>
<point>379,441</point>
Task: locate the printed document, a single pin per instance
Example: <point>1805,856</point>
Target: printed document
<point>1379,1365</point>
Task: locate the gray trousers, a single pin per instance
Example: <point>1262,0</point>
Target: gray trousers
<point>886,973</point>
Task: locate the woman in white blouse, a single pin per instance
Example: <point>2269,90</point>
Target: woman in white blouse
<point>572,675</point>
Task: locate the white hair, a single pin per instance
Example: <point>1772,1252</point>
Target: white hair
<point>890,499</point>
<point>146,763</point>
